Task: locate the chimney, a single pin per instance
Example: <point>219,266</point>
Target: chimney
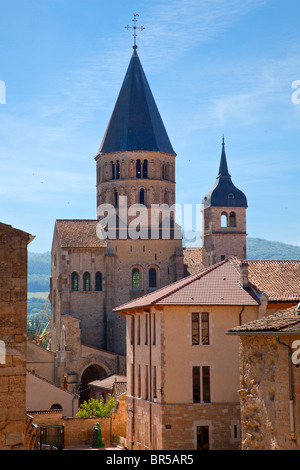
<point>244,275</point>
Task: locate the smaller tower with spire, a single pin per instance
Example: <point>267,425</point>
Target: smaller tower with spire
<point>224,218</point>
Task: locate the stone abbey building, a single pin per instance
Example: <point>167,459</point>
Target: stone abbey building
<point>95,270</point>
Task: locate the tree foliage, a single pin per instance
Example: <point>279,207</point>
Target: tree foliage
<point>96,408</point>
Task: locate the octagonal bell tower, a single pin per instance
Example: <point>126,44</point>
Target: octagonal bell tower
<point>136,168</point>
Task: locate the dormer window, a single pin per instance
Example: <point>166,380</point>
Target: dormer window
<point>230,196</point>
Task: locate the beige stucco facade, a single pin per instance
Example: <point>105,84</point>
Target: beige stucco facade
<point>40,361</point>
<point>164,367</point>
<point>42,394</point>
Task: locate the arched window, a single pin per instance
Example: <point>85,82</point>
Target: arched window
<point>152,278</point>
<point>56,406</point>
<point>74,282</point>
<point>145,169</point>
<point>116,198</point>
<point>168,171</point>
<point>98,174</point>
<point>232,219</point>
<point>118,170</point>
<point>138,168</point>
<point>165,196</point>
<point>98,281</point>
<point>163,175</point>
<point>86,282</point>
<point>113,175</point>
<point>136,278</point>
<point>224,219</point>
<point>142,196</point>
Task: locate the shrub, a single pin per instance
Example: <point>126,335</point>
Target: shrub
<point>96,408</point>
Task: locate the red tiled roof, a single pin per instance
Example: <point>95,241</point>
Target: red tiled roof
<point>278,279</point>
<point>284,321</point>
<point>78,234</point>
<point>217,285</point>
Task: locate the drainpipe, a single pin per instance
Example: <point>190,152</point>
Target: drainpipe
<point>240,315</point>
<point>150,383</point>
<point>133,376</point>
<point>291,397</point>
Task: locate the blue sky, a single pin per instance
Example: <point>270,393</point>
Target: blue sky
<point>214,66</point>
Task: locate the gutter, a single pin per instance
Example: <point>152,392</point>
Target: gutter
<point>250,333</point>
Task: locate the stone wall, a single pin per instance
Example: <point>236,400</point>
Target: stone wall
<point>174,427</point>
<point>78,432</point>
<point>13,336</point>
<point>265,394</point>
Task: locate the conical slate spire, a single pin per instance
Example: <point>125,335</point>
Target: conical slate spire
<point>224,193</point>
<point>223,169</point>
<point>135,123</point>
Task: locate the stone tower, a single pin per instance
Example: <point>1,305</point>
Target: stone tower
<point>93,271</point>
<point>136,171</point>
<point>136,159</point>
<point>224,219</point>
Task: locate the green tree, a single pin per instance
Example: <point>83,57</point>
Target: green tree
<point>96,408</point>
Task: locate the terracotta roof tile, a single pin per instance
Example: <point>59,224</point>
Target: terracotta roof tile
<point>278,279</point>
<point>78,234</point>
<point>283,321</point>
<point>200,289</point>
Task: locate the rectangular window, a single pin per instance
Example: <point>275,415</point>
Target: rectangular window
<point>132,331</point>
<point>154,329</point>
<point>132,380</point>
<point>201,384</point>
<point>195,328</point>
<point>236,431</point>
<point>202,438</point>
<point>146,328</point>
<point>139,331</point>
<point>139,381</point>
<point>146,383</point>
<point>200,328</point>
<point>204,328</point>
<point>206,384</point>
<point>196,384</point>
<point>154,381</point>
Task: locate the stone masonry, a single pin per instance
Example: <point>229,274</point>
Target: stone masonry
<point>13,338</point>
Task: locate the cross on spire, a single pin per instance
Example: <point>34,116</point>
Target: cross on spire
<point>134,27</point>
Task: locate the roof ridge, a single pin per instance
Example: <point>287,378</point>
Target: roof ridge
<point>76,220</point>
<point>274,260</point>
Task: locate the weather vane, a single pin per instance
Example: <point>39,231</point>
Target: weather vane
<point>135,27</point>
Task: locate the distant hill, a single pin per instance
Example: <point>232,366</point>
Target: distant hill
<point>264,249</point>
<point>39,271</point>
